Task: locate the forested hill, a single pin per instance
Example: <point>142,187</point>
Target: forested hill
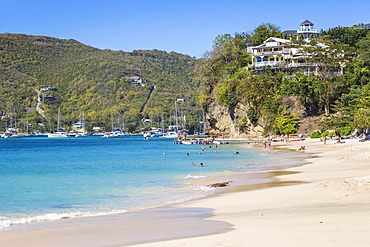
<point>98,83</point>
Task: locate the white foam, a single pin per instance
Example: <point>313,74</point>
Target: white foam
<point>6,222</point>
<point>189,176</point>
<point>203,188</point>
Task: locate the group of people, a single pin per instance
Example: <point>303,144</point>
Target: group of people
<point>267,144</point>
<point>201,164</point>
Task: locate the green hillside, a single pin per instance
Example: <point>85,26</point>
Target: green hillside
<point>97,83</point>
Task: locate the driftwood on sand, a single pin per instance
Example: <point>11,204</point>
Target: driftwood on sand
<point>222,184</point>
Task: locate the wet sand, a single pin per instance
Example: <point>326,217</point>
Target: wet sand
<point>130,228</point>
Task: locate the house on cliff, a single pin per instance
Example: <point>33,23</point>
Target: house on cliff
<point>283,54</point>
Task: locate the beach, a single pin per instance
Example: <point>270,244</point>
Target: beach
<point>330,209</point>
<point>324,202</point>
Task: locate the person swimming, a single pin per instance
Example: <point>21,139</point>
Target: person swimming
<point>201,164</point>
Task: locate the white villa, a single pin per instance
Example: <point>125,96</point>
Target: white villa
<point>279,53</point>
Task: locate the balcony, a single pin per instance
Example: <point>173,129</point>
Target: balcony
<point>265,63</point>
<point>307,30</point>
<point>271,53</point>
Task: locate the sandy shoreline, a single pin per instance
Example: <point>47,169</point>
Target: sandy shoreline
<point>331,209</point>
<point>327,206</point>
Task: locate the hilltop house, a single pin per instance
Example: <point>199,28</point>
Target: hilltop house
<point>366,26</point>
<point>306,30</point>
<point>48,89</point>
<point>279,53</point>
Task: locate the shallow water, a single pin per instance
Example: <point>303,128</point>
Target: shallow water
<point>45,178</point>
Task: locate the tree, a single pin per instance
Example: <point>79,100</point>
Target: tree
<point>287,124</point>
<point>344,35</point>
<point>363,46</point>
<point>329,59</point>
<point>263,32</point>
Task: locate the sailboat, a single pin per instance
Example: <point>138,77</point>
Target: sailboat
<point>60,133</point>
<point>12,132</point>
<point>116,133</point>
<point>79,128</point>
<point>173,130</point>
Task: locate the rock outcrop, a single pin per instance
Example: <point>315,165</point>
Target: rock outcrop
<point>226,121</point>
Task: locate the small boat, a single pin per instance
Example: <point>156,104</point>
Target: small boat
<point>217,142</point>
<point>116,133</point>
<point>58,134</point>
<point>170,134</point>
<point>297,140</point>
<point>11,135</point>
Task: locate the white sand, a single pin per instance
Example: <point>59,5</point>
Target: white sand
<point>332,209</point>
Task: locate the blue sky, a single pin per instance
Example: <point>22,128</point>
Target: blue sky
<point>184,26</point>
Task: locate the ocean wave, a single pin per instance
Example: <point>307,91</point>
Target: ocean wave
<point>194,177</point>
<point>6,222</point>
<point>203,188</point>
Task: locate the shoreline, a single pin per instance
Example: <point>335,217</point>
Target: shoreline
<point>329,209</point>
<point>229,217</point>
<point>34,233</point>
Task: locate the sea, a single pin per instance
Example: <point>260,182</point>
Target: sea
<point>55,178</point>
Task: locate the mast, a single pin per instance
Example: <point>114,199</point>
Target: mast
<point>176,118</point>
<point>58,122</point>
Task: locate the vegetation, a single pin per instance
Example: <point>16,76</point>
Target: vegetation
<point>98,83</point>
<point>94,83</point>
<point>339,89</point>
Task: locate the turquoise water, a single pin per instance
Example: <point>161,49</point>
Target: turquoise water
<point>45,178</point>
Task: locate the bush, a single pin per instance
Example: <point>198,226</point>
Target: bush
<point>345,131</point>
<point>225,96</point>
<point>287,124</point>
<point>316,134</point>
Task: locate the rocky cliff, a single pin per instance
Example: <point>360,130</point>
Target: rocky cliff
<point>231,121</point>
<point>226,121</point>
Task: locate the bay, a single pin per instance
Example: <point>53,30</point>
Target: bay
<point>45,178</point>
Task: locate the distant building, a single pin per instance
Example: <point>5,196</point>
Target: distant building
<point>48,97</point>
<point>136,80</point>
<point>180,99</point>
<point>48,89</point>
<point>279,53</point>
<point>367,26</point>
<point>306,29</point>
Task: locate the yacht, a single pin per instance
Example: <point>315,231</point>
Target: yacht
<point>116,133</point>
<point>61,133</point>
<point>170,134</point>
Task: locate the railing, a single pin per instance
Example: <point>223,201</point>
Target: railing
<point>268,53</point>
<point>307,30</point>
<point>265,63</point>
<point>283,64</point>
